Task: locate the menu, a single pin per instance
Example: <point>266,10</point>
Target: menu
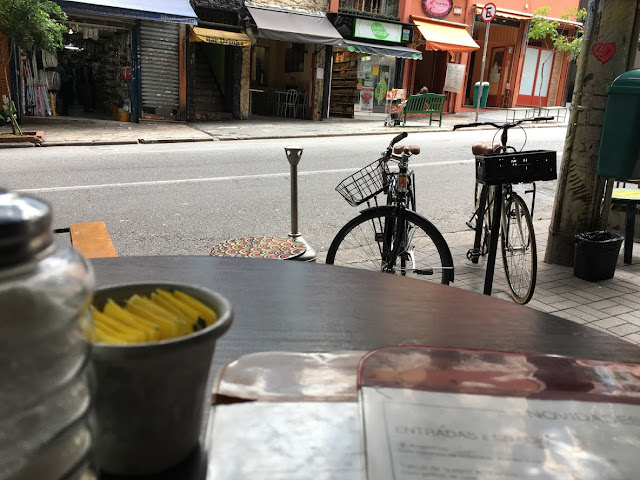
<point>455,414</point>
<point>454,77</point>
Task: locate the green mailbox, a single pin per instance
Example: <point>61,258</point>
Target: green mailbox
<point>485,94</point>
<point>619,155</point>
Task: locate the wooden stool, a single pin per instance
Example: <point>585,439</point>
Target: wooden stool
<point>630,198</point>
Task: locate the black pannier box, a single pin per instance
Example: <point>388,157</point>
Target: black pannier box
<point>519,167</point>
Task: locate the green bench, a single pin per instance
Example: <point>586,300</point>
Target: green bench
<point>425,103</point>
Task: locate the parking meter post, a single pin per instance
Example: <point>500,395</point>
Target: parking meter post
<point>294,154</point>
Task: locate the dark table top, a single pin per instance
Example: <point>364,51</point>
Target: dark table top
<point>307,307</point>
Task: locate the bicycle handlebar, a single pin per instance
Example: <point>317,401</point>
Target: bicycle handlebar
<point>504,125</point>
<point>398,138</point>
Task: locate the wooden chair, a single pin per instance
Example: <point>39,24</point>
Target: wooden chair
<point>629,199</point>
<point>288,107</point>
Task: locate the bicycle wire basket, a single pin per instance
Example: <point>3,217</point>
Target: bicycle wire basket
<point>365,184</point>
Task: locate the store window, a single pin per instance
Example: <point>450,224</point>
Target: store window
<point>375,77</point>
<point>294,58</point>
<point>89,77</point>
<point>259,66</point>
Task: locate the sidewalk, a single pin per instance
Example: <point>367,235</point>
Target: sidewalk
<point>67,131</point>
<point>612,306</point>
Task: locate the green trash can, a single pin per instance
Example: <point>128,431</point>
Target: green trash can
<point>485,94</point>
<point>596,255</point>
<point>619,155</point>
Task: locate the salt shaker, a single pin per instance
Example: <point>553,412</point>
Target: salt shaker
<point>45,291</point>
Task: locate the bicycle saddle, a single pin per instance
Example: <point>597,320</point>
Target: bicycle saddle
<point>484,148</point>
<point>413,149</point>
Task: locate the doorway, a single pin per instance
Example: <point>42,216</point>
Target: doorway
<point>536,76</point>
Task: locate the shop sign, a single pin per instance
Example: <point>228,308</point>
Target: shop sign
<point>437,8</point>
<point>374,30</point>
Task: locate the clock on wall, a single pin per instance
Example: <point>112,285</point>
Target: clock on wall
<point>437,8</point>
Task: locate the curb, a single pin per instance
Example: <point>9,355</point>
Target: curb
<point>176,140</point>
<point>89,144</point>
<point>123,142</point>
<point>215,137</point>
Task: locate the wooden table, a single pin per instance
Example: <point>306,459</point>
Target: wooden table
<point>304,307</point>
<point>297,307</point>
<point>629,197</point>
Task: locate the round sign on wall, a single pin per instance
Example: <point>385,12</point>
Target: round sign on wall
<point>437,8</point>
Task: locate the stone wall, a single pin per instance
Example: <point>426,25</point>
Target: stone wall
<point>318,85</point>
<point>244,82</point>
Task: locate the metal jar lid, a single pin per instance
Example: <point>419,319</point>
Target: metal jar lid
<point>25,227</point>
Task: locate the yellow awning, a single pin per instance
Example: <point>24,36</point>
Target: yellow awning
<point>441,36</point>
<point>220,37</point>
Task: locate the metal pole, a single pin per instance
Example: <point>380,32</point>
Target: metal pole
<point>484,58</point>
<point>294,154</point>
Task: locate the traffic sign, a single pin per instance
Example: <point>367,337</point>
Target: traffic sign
<point>488,12</point>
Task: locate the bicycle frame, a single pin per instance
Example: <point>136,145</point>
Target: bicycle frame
<point>395,235</point>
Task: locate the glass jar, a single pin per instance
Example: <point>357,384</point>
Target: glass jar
<point>45,291</point>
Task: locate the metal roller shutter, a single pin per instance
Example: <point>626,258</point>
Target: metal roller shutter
<point>160,69</point>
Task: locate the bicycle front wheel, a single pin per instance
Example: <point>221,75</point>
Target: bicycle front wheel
<point>519,250</point>
<point>368,242</point>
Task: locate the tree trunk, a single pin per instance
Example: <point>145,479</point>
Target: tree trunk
<point>581,193</point>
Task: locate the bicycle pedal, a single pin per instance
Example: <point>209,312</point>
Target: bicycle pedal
<point>423,271</point>
<point>471,225</point>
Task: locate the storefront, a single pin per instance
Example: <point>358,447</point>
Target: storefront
<point>117,63</point>
<point>287,70</point>
<point>444,46</point>
<point>367,64</point>
<point>507,36</point>
<point>520,71</point>
<point>215,73</point>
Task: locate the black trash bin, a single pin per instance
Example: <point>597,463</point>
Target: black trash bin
<point>596,255</point>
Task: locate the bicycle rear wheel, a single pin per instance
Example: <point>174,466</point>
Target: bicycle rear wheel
<point>368,241</point>
<point>519,253</point>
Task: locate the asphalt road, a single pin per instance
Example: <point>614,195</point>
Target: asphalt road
<point>183,198</point>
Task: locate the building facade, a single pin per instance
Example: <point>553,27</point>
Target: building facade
<point>119,61</point>
<point>371,58</point>
<point>519,71</point>
<point>218,58</point>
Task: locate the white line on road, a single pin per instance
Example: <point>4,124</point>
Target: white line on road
<point>221,179</point>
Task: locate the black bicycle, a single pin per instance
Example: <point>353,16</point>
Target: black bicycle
<point>498,168</point>
<point>391,238</point>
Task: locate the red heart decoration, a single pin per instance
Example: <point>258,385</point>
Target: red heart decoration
<point>604,51</point>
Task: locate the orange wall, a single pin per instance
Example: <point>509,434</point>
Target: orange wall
<point>558,7</point>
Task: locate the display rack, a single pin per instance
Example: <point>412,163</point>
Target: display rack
<point>393,106</point>
<point>344,85</point>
